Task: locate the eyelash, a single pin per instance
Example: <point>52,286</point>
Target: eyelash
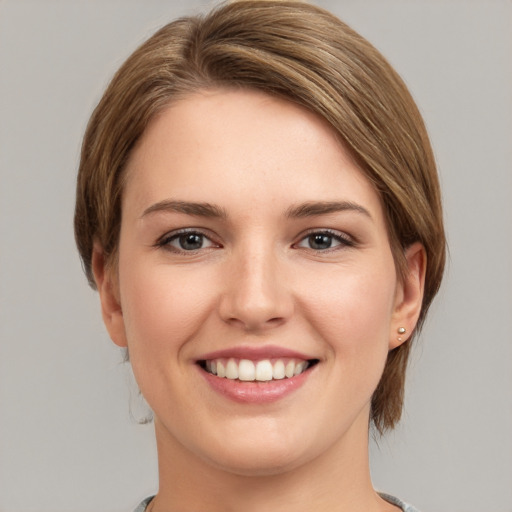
<point>165,241</point>
<point>343,240</point>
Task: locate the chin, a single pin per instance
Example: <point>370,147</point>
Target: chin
<point>257,453</point>
<point>254,463</point>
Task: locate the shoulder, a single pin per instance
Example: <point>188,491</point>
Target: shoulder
<point>391,499</point>
<point>143,505</point>
<point>399,503</point>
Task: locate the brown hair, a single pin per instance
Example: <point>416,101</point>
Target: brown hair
<point>306,55</point>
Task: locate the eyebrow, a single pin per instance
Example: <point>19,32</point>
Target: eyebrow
<point>189,208</point>
<point>302,210</point>
<point>313,208</point>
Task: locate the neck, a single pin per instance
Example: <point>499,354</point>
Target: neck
<point>337,480</point>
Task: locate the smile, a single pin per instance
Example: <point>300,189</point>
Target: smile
<point>263,370</point>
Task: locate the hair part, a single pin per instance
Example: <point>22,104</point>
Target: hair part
<point>303,54</point>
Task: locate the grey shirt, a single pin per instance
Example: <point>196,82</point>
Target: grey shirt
<point>391,499</point>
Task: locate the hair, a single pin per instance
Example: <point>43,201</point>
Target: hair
<point>306,55</point>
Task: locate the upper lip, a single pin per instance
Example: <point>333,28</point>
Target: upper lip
<point>255,353</point>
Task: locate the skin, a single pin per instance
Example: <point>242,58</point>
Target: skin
<point>255,281</point>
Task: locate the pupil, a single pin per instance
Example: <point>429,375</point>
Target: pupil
<point>191,241</point>
<point>320,241</point>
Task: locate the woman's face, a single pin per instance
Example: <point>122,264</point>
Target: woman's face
<point>251,245</point>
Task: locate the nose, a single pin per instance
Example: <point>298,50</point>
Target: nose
<point>256,295</point>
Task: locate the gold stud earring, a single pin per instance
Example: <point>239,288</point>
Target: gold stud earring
<point>401,330</point>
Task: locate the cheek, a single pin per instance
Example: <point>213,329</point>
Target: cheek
<point>162,307</point>
<point>352,312</point>
<point>163,310</point>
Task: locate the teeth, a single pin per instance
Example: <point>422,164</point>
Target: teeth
<point>261,371</point>
<point>246,370</point>
<point>221,370</point>
<point>232,370</point>
<point>278,370</point>
<point>264,370</point>
<point>299,368</point>
<point>290,369</point>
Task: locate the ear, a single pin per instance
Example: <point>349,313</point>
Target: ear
<point>409,295</point>
<point>108,288</point>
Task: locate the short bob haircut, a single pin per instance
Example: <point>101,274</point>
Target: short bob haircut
<point>304,54</point>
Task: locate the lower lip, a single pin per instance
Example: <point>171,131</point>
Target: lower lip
<point>255,392</point>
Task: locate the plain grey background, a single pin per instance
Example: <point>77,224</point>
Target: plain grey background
<point>67,440</point>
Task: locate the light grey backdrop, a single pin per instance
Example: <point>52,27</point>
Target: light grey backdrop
<point>67,442</point>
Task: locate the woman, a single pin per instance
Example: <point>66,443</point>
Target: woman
<point>258,207</point>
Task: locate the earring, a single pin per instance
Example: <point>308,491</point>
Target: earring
<point>401,330</point>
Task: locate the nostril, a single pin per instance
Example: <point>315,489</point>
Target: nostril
<point>254,322</point>
<point>276,320</point>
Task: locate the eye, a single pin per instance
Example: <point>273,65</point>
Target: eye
<point>186,241</point>
<point>324,240</point>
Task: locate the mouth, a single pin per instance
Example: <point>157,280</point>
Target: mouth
<point>261,370</point>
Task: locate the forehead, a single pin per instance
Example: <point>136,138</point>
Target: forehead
<point>220,144</point>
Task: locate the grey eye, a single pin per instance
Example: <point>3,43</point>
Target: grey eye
<point>321,241</point>
<point>191,241</point>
